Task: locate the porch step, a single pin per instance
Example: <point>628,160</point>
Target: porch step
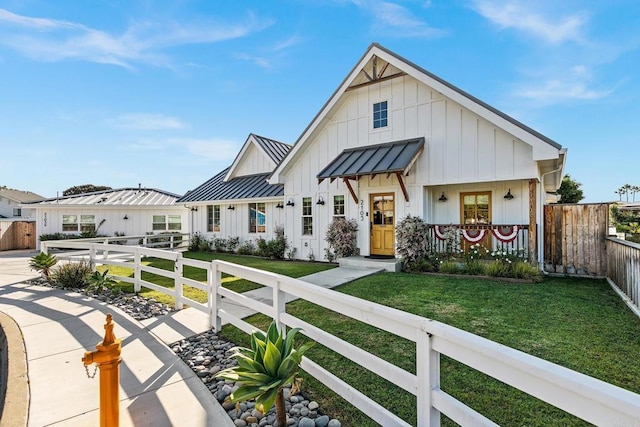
<point>393,265</point>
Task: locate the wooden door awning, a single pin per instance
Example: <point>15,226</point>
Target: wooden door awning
<point>391,158</point>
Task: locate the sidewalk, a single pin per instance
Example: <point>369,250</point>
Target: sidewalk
<point>156,387</point>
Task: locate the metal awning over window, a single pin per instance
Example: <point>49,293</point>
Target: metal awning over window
<point>391,158</point>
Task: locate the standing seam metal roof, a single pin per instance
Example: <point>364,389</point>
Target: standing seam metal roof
<point>243,187</point>
<point>118,197</point>
<point>276,150</point>
<point>373,159</point>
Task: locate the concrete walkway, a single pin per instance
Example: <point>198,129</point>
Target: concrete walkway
<point>156,387</point>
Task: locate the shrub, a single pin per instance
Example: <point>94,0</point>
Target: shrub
<point>248,248</point>
<point>233,243</point>
<point>43,263</point>
<point>412,240</point>
<point>73,274</point>
<point>220,244</point>
<point>100,282</point>
<point>342,238</point>
<point>291,252</point>
<point>474,267</point>
<point>523,270</point>
<point>275,248</point>
<point>450,267</point>
<point>196,240</point>
<point>497,269</point>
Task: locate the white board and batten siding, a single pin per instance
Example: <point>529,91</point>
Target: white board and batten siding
<point>463,152</point>
<point>252,162</point>
<point>235,223</point>
<point>139,219</point>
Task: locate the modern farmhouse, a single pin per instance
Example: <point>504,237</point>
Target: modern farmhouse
<point>127,211</point>
<point>393,140</point>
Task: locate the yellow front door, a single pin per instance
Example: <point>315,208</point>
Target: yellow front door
<point>383,227</point>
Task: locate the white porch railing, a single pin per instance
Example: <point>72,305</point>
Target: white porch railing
<point>592,400</point>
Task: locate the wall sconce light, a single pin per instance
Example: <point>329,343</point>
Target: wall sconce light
<point>290,202</point>
<point>125,217</point>
<point>279,205</point>
<point>509,196</point>
<point>231,208</point>
<point>320,201</point>
<point>443,198</point>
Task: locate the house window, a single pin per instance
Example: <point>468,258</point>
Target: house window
<point>69,222</point>
<point>87,223</point>
<point>257,218</point>
<point>213,218</point>
<point>338,206</point>
<point>17,212</point>
<point>380,114</point>
<point>166,222</point>
<point>307,216</point>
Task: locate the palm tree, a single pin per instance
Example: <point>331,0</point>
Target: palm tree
<point>43,263</point>
<point>265,369</point>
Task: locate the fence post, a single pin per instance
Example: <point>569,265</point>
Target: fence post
<point>44,247</point>
<point>178,267</point>
<point>428,373</point>
<point>137,271</point>
<point>171,241</point>
<point>279,303</point>
<point>214,279</point>
<point>92,254</point>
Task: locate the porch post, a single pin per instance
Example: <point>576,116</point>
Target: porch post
<point>533,229</point>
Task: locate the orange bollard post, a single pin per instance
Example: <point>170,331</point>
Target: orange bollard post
<point>107,357</point>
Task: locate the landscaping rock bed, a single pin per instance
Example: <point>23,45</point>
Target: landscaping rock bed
<point>206,354</point>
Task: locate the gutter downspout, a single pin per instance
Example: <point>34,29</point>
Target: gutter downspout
<point>563,152</point>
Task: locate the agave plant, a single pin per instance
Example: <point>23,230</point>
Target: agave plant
<point>265,369</point>
<point>99,282</point>
<point>43,263</point>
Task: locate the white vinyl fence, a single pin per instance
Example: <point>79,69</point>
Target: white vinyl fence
<point>593,400</point>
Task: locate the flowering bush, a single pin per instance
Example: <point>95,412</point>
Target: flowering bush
<point>451,243</point>
<point>509,256</point>
<point>413,242</point>
<point>342,238</point>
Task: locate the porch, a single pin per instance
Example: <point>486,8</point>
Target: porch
<point>495,237</point>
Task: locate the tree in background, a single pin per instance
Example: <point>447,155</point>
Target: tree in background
<point>570,191</point>
<point>627,190</point>
<point>85,188</point>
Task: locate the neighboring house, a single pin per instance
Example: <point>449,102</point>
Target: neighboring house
<point>11,201</point>
<point>129,211</point>
<point>395,140</point>
<point>238,201</point>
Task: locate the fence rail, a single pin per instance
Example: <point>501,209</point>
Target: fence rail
<point>590,399</point>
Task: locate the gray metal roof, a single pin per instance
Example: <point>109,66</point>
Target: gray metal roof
<point>243,187</point>
<point>276,150</point>
<point>19,195</point>
<point>117,197</point>
<point>389,157</point>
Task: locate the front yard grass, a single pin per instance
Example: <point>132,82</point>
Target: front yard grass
<point>287,268</point>
<point>578,323</point>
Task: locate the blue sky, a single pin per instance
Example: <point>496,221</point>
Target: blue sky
<point>164,93</point>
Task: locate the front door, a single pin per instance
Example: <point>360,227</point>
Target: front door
<point>383,227</point>
<point>476,210</point>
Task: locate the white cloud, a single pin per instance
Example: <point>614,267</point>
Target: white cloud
<point>570,86</point>
<point>54,40</point>
<point>392,18</point>
<point>518,15</point>
<point>214,148</point>
<point>142,121</point>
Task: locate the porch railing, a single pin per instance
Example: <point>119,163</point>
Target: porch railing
<point>592,400</point>
<point>511,237</point>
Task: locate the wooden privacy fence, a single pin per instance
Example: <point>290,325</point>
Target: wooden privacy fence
<point>624,267</point>
<point>574,239</point>
<point>17,235</point>
<point>593,400</point>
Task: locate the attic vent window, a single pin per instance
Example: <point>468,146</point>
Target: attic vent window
<point>380,114</point>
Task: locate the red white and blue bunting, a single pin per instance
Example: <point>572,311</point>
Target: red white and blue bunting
<point>474,235</point>
<point>506,233</point>
<point>440,231</point>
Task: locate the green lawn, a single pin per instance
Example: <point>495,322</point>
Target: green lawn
<point>287,268</point>
<point>580,324</point>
